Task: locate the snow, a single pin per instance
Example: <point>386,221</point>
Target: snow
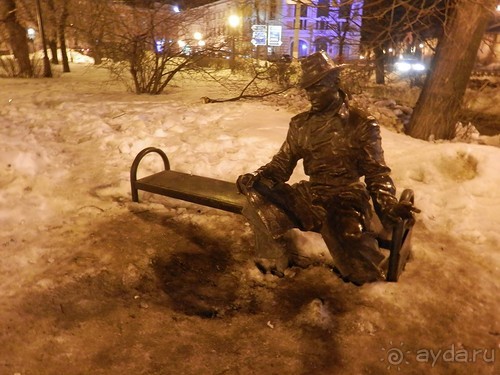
<point>66,147</point>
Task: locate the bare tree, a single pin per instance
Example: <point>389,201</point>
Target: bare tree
<point>341,21</point>
<point>262,83</point>
<point>145,47</point>
<point>61,26</point>
<point>392,27</point>
<point>375,33</point>
<point>51,26</point>
<point>93,21</point>
<point>437,108</point>
<point>17,37</point>
<point>57,13</point>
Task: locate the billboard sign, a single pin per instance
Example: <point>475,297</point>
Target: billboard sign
<point>259,35</point>
<point>274,35</point>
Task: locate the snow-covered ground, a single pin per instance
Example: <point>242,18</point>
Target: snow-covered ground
<point>68,230</point>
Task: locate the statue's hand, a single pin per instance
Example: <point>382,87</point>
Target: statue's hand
<point>401,210</point>
<point>246,181</point>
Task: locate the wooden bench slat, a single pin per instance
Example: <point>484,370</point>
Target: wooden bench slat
<point>196,189</point>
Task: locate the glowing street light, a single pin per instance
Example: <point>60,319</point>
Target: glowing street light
<point>199,38</point>
<point>233,21</point>
<point>31,33</point>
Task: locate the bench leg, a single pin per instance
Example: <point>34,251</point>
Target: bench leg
<point>271,255</point>
<point>400,248</point>
<point>399,251</point>
<point>135,165</point>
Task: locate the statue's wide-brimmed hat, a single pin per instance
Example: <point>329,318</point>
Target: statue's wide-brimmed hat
<point>315,67</point>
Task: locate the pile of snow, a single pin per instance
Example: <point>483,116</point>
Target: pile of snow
<point>56,141</point>
<point>67,144</point>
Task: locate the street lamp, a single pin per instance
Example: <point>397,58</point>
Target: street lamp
<point>198,37</point>
<point>31,33</point>
<point>234,22</point>
<point>182,45</point>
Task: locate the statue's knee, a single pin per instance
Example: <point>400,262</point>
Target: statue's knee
<point>350,229</point>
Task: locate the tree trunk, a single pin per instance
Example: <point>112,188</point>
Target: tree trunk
<point>53,51</point>
<point>17,37</point>
<point>375,33</point>
<point>437,109</point>
<point>47,71</point>
<point>62,36</point>
<point>52,39</point>
<point>379,65</point>
<point>64,52</point>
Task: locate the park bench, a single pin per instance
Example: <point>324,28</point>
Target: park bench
<point>224,195</point>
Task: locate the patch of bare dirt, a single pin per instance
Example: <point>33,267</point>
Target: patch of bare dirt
<point>139,295</point>
<point>154,293</point>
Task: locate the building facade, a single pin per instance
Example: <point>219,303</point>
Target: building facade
<point>273,28</point>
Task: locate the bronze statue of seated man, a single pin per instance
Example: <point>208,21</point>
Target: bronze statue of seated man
<point>339,145</point>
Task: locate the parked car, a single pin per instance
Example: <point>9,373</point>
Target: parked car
<point>412,68</point>
<point>286,58</point>
<point>410,65</point>
<point>279,58</point>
